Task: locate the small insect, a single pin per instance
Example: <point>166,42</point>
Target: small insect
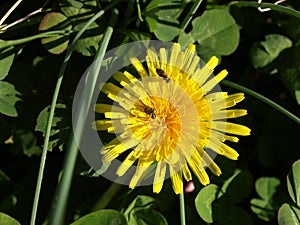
<point>162,74</point>
<point>150,111</point>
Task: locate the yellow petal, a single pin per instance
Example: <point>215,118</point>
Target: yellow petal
<point>128,162</point>
<point>209,85</point>
<point>139,67</point>
<point>142,167</point>
<point>159,176</point>
<point>227,114</point>
<point>231,128</point>
<point>176,180</point>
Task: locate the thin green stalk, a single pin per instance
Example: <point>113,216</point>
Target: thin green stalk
<point>262,98</point>
<point>51,113</point>
<point>31,38</point>
<point>278,8</point>
<point>80,120</point>
<point>182,208</point>
<point>190,15</point>
<point>10,11</point>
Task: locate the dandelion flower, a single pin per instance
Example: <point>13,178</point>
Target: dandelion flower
<point>169,117</point>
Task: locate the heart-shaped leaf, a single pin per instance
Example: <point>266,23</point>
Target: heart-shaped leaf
<point>55,21</point>
<point>216,29</point>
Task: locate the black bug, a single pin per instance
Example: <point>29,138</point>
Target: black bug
<point>162,74</point>
<point>150,111</point>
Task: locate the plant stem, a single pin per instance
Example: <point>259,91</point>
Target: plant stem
<point>262,98</point>
<point>182,208</point>
<point>10,11</point>
<point>80,122</point>
<point>9,43</point>
<point>51,113</point>
<point>190,15</point>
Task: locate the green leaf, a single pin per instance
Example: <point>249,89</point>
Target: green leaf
<point>102,217</point>
<point>6,59</point>
<point>140,202</point>
<point>185,39</point>
<point>8,98</point>
<point>146,217</point>
<point>293,181</point>
<point>27,142</point>
<point>263,209</point>
<point>79,12</point>
<point>288,215</point>
<point>297,94</point>
<point>204,201</point>
<point>167,28</point>
<point>7,220</point>
<point>151,14</point>
<point>161,17</point>
<point>89,43</point>
<point>59,130</point>
<point>266,187</point>
<point>237,187</point>
<point>55,21</point>
<point>216,29</point>
<point>264,52</point>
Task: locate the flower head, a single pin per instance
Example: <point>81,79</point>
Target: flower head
<point>169,117</point>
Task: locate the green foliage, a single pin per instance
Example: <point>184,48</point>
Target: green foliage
<point>265,208</point>
<point>252,45</point>
<point>264,52</point>
<point>8,98</point>
<point>60,127</point>
<point>108,217</point>
<point>293,181</point>
<point>217,204</point>
<point>6,60</point>
<point>7,220</point>
<point>52,21</point>
<point>217,30</point>
<point>140,212</point>
<point>289,213</point>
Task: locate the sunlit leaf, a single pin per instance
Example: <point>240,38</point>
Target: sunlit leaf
<point>55,21</point>
<point>140,202</point>
<point>102,217</point>
<point>79,10</point>
<point>8,98</point>
<point>6,59</point>
<point>266,188</point>
<point>288,215</point>
<point>185,39</point>
<point>89,43</point>
<point>204,201</point>
<point>293,182</point>
<point>264,52</point>
<point>216,29</point>
<point>161,17</point>
<point>7,220</point>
